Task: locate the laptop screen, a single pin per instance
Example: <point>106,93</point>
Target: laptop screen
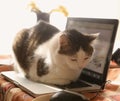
<point>96,70</point>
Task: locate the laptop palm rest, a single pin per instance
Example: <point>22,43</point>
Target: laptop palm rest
<point>33,88</point>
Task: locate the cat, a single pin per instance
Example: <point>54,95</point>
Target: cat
<point>45,54</point>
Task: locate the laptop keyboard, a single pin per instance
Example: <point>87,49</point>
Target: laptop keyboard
<point>77,84</point>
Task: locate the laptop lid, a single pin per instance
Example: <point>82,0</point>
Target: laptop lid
<point>96,71</point>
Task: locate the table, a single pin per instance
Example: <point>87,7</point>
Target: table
<point>9,92</point>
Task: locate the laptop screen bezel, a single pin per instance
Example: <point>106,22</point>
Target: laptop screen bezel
<point>114,22</point>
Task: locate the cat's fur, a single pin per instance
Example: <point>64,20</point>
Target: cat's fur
<point>45,54</point>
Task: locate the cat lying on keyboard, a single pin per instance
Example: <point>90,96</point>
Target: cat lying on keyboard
<point>45,54</point>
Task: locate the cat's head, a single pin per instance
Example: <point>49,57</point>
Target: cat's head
<point>76,47</point>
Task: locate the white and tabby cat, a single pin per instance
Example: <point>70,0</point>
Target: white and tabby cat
<point>45,54</point>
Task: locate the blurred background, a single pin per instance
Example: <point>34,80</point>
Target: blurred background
<point>17,14</point>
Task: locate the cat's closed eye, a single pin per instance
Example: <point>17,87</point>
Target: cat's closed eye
<point>73,59</point>
<point>86,58</point>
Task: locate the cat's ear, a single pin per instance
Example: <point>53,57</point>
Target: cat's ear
<point>92,37</point>
<point>63,40</point>
<point>64,44</point>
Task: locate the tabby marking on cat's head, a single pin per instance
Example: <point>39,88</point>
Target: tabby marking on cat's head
<point>72,40</point>
<point>77,47</point>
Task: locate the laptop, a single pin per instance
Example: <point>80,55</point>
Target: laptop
<point>93,76</point>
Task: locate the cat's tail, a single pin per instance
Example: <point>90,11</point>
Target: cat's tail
<point>20,46</point>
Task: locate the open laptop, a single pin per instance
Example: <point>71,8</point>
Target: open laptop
<point>95,73</point>
<point>93,76</point>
